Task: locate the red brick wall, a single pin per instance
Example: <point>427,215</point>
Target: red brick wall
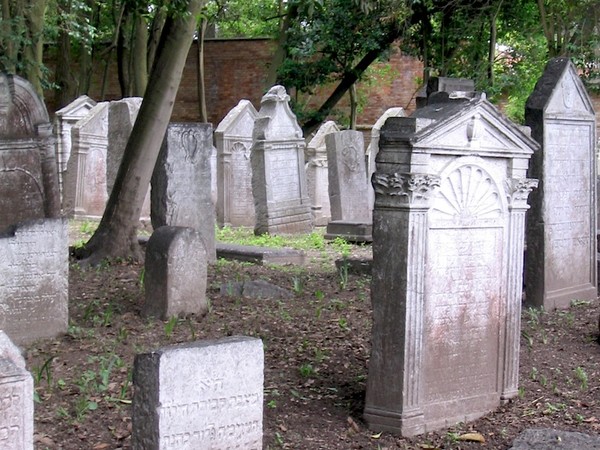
<point>237,69</point>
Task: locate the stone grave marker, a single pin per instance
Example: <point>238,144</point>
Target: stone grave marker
<point>373,147</point>
<point>181,182</point>
<point>199,396</point>
<point>84,183</point>
<point>317,174</point>
<point>16,395</point>
<point>561,225</point>
<point>281,199</point>
<point>175,273</point>
<point>445,85</point>
<point>348,188</point>
<point>64,119</point>
<point>34,280</point>
<point>233,139</point>
<point>448,240</point>
<point>28,171</point>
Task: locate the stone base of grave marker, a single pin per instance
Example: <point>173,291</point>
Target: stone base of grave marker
<point>34,280</point>
<point>199,396</point>
<point>350,231</point>
<point>175,273</point>
<point>16,392</point>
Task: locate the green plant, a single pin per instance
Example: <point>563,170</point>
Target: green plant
<point>343,272</point>
<point>82,405</point>
<point>582,376</point>
<point>533,315</point>
<point>298,285</point>
<point>521,392</point>
<point>533,374</point>
<point>343,323</point>
<point>307,370</point>
<point>170,326</point>
<point>319,295</point>
<point>44,370</point>
<point>342,246</point>
<point>272,404</point>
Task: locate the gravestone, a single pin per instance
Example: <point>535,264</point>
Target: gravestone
<point>281,200</point>
<point>561,225</point>
<point>175,273</point>
<point>28,170</point>
<point>84,183</point>
<point>64,119</point>
<point>233,139</point>
<point>317,174</point>
<point>199,396</point>
<point>448,239</point>
<point>373,147</point>
<point>348,188</point>
<point>445,85</point>
<point>16,394</point>
<point>181,182</point>
<point>34,280</point>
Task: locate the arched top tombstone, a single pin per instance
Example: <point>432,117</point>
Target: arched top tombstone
<point>21,109</point>
<point>239,121</point>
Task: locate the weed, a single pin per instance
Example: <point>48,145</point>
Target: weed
<point>552,408</point>
<point>142,278</point>
<point>272,404</point>
<point>279,438</point>
<point>343,323</point>
<point>45,370</point>
<point>576,303</point>
<point>521,392</point>
<point>319,295</point>
<point>543,380</point>
<point>170,326</point>
<point>298,285</point>
<point>568,316</point>
<point>88,227</point>
<point>534,315</point>
<point>528,339</point>
<point>343,272</point>
<point>82,406</point>
<point>342,246</point>
<point>533,374</point>
<point>320,355</point>
<point>582,377</point>
<point>79,243</point>
<point>307,370</point>
<point>190,325</point>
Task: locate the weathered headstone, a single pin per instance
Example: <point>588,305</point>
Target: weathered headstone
<point>373,148</point>
<point>445,85</point>
<point>317,176</point>
<point>348,188</point>
<point>200,396</point>
<point>64,119</point>
<point>34,280</point>
<point>16,398</point>
<point>175,273</point>
<point>28,170</point>
<point>281,199</point>
<point>181,182</point>
<point>561,225</point>
<point>448,238</point>
<point>233,138</point>
<point>84,183</point>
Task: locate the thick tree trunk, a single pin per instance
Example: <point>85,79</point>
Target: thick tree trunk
<point>139,63</point>
<point>353,106</point>
<point>7,43</point>
<point>116,235</point>
<point>33,52</point>
<point>280,51</point>
<point>201,88</point>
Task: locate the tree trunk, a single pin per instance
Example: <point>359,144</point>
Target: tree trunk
<point>353,107</point>
<point>7,43</point>
<point>201,87</point>
<point>155,31</point>
<point>139,63</point>
<point>116,235</point>
<point>33,52</point>
<point>280,51</point>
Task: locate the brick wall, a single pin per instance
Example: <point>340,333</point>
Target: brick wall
<point>237,69</point>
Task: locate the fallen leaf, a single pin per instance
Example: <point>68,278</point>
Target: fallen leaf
<point>353,424</point>
<point>376,436</point>
<point>101,446</point>
<point>472,437</point>
<point>591,420</point>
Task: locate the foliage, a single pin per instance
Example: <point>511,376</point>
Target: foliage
<point>243,18</point>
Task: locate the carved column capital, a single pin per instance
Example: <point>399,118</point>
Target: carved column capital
<point>404,189</point>
<point>518,190</point>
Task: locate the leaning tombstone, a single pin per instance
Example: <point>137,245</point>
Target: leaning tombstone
<point>281,199</point>
<point>448,239</point>
<point>175,273</point>
<point>561,225</point>
<point>33,239</point>
<point>84,182</point>
<point>373,147</point>
<point>64,119</point>
<point>199,396</point>
<point>16,392</point>
<point>348,188</point>
<point>181,182</point>
<point>317,176</point>
<point>233,139</point>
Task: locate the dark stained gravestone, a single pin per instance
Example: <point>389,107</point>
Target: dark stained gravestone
<point>561,225</point>
<point>448,238</point>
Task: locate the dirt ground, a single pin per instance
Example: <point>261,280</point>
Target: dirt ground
<point>316,352</point>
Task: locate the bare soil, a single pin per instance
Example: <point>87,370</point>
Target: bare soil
<point>317,348</point>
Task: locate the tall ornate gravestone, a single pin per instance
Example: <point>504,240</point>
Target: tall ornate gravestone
<point>448,237</point>
<point>373,147</point>
<point>317,174</point>
<point>233,139</point>
<point>33,238</point>
<point>348,188</point>
<point>84,182</point>
<point>561,225</point>
<point>278,178</point>
<point>64,119</point>
<point>181,182</point>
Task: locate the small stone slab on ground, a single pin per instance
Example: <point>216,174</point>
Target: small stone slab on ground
<point>255,289</point>
<point>260,255</point>
<point>550,439</point>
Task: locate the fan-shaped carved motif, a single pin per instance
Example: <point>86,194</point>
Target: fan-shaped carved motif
<point>467,194</point>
